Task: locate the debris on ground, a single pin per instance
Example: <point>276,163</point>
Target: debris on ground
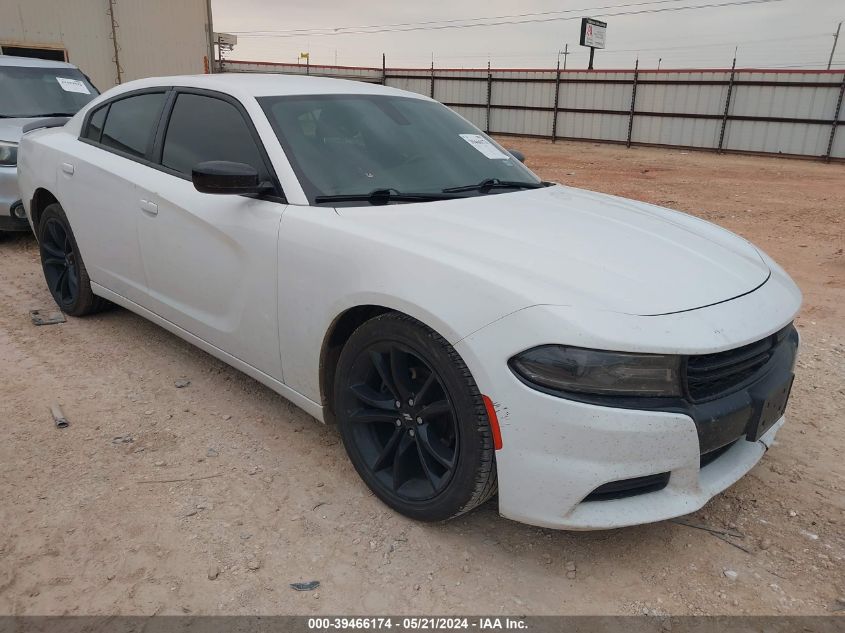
<point>59,418</point>
<point>305,586</point>
<point>46,317</point>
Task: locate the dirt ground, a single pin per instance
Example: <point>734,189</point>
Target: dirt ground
<point>94,523</point>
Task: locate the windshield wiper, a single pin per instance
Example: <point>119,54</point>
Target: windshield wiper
<point>39,116</point>
<point>36,116</point>
<point>494,183</point>
<point>383,196</point>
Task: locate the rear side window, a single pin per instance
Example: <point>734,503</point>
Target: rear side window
<point>204,128</point>
<point>130,123</point>
<point>95,124</point>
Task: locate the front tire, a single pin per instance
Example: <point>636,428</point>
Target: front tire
<point>413,421</point>
<point>64,271</point>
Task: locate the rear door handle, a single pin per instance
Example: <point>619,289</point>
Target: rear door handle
<point>150,208</point>
<point>67,168</point>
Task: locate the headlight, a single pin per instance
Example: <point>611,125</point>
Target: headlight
<point>8,154</point>
<point>590,371</point>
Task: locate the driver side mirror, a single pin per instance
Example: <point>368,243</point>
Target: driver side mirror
<point>517,155</point>
<point>225,177</point>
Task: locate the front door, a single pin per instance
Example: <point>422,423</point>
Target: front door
<point>210,260</point>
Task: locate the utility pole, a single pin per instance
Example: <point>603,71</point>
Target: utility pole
<point>833,50</point>
<point>564,52</point>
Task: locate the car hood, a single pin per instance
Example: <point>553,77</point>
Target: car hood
<point>11,130</point>
<point>566,246</point>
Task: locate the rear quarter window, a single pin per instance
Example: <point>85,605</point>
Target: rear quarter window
<point>131,122</point>
<point>95,124</point>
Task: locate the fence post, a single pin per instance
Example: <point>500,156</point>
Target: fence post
<point>835,121</point>
<point>557,98</point>
<point>633,102</point>
<point>489,94</point>
<point>383,70</point>
<point>727,106</point>
<point>431,91</point>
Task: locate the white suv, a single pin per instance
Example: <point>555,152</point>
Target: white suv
<point>31,89</point>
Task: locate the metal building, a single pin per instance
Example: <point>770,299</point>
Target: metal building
<point>111,41</point>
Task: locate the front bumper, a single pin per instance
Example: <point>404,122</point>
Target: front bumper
<point>10,202</point>
<point>556,451</point>
<point>689,488</point>
<point>573,448</point>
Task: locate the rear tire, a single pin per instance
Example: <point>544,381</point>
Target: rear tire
<point>64,271</point>
<point>413,421</point>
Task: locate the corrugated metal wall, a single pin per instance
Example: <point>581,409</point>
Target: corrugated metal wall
<point>777,112</point>
<point>161,37</point>
<point>155,37</point>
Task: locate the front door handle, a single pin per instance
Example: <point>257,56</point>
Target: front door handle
<point>67,168</point>
<point>150,208</point>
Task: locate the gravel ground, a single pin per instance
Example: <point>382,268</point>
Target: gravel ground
<point>213,497</point>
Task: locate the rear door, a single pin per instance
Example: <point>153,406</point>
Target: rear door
<point>99,192</point>
<point>210,260</point>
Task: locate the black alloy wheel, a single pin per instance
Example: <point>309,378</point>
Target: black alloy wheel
<point>60,263</point>
<point>404,426</point>
<point>412,419</point>
<point>64,271</point>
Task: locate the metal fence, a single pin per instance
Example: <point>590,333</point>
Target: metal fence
<point>783,112</point>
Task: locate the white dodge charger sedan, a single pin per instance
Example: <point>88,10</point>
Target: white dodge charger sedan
<point>379,261</point>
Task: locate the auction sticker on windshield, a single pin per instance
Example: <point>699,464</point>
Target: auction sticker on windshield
<point>73,85</point>
<point>484,146</point>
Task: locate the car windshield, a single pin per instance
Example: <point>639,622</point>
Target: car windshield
<point>354,145</point>
<point>31,91</point>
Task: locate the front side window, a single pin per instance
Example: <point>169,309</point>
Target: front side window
<point>205,128</point>
<point>27,91</point>
<point>130,123</point>
<point>357,144</point>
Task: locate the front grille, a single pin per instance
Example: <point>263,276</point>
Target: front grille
<point>711,375</point>
<point>629,487</point>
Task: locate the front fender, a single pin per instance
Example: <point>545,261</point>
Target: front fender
<point>329,264</point>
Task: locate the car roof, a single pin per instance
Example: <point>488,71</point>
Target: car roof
<point>265,85</point>
<point>32,62</point>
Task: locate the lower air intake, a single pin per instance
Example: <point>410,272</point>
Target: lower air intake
<point>629,487</point>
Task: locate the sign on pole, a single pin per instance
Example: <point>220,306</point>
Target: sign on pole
<point>593,34</point>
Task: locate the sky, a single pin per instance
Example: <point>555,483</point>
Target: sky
<point>768,33</point>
